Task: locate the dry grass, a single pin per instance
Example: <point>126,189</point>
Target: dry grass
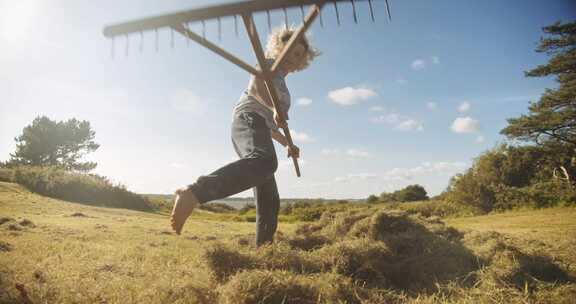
<point>58,252</point>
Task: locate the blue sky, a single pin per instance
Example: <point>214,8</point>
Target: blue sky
<point>387,104</point>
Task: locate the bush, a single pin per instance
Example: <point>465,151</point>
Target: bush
<point>372,199</point>
<point>436,207</point>
<point>246,208</point>
<point>89,189</point>
<point>509,177</point>
<point>551,193</point>
<point>467,189</point>
<point>410,193</point>
<point>309,211</point>
<point>217,207</point>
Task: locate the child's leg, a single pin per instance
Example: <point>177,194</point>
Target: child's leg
<point>257,163</point>
<point>267,207</point>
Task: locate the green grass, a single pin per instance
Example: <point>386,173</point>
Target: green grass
<point>110,255</point>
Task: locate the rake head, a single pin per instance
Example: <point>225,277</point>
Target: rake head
<point>218,13</point>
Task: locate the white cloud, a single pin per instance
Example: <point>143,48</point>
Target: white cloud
<point>480,139</point>
<point>355,177</point>
<point>357,153</point>
<point>184,100</point>
<point>464,107</point>
<point>465,125</point>
<point>418,64</point>
<point>399,122</point>
<point>435,60</point>
<point>177,165</point>
<point>303,101</point>
<point>431,105</point>
<point>349,153</point>
<point>330,152</point>
<point>349,96</point>
<point>287,165</point>
<point>301,136</point>
<point>377,109</point>
<point>400,80</point>
<point>410,125</point>
<point>426,168</point>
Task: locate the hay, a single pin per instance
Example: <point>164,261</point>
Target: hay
<point>281,257</point>
<point>5,220</point>
<point>360,259</point>
<point>308,242</point>
<point>5,247</point>
<point>382,257</point>
<point>26,223</point>
<point>264,286</point>
<point>224,261</point>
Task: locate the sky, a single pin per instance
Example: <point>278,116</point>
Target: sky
<point>386,105</point>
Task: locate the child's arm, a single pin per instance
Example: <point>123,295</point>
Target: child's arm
<point>279,137</point>
<point>292,150</point>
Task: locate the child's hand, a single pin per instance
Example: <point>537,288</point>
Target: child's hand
<point>293,151</point>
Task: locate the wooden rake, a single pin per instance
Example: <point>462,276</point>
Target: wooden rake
<point>180,22</point>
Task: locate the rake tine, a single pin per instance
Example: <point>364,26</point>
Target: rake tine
<point>354,11</point>
<point>203,29</point>
<point>371,10</point>
<point>112,47</point>
<point>337,14</point>
<point>171,37</point>
<point>219,30</point>
<point>156,44</point>
<point>127,45</point>
<point>141,42</point>
<point>187,26</point>
<point>269,23</point>
<point>236,25</point>
<point>285,18</point>
<point>388,10</point>
<point>302,12</point>
<point>320,16</point>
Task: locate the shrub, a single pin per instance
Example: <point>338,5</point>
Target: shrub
<point>89,189</point>
<point>217,207</point>
<point>372,199</point>
<point>436,207</point>
<point>546,194</point>
<point>410,193</point>
<point>246,208</point>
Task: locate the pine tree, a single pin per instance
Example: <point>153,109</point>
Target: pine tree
<point>551,121</point>
<point>50,143</point>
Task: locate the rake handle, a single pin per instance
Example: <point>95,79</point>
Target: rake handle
<point>267,75</point>
<point>294,159</point>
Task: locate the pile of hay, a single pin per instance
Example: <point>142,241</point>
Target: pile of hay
<point>374,257</point>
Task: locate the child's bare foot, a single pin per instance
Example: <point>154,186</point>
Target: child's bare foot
<point>184,203</point>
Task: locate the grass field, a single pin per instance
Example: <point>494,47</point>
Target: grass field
<point>53,251</point>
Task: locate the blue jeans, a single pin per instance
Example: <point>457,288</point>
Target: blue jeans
<point>255,169</point>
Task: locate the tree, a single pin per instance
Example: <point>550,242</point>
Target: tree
<point>410,193</point>
<point>551,121</point>
<point>372,199</point>
<point>55,143</point>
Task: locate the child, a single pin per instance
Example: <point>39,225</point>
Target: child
<point>255,124</point>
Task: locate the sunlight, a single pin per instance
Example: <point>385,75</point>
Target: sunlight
<point>17,19</point>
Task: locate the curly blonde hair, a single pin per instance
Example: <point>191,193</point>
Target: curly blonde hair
<point>278,39</point>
